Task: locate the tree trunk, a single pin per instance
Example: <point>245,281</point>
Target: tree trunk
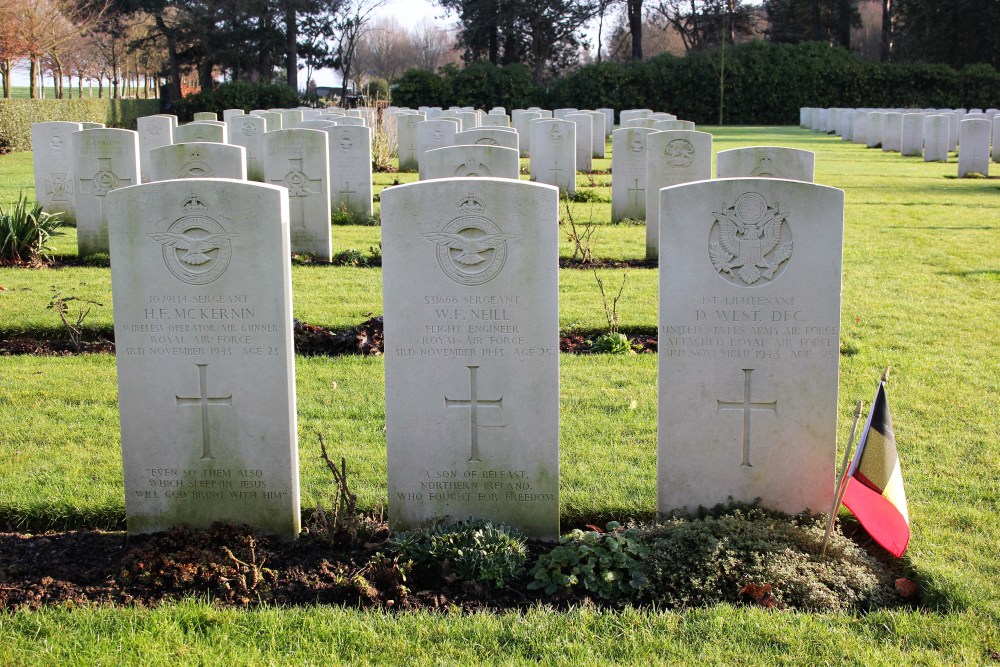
<point>886,28</point>
<point>634,9</point>
<point>291,47</point>
<point>33,76</point>
<point>5,76</point>
<point>174,89</point>
<point>100,87</point>
<point>57,77</point>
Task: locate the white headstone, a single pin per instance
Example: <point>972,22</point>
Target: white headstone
<point>628,166</point>
<point>205,115</point>
<point>488,136</point>
<point>52,158</point>
<point>873,135</point>
<point>317,124</point>
<point>632,114</point>
<point>913,134</point>
<point>496,120</point>
<point>94,126</point>
<point>859,128</point>
<point>996,137</point>
<point>749,332</point>
<point>639,122</point>
<point>201,132</point>
<point>766,162</point>
<point>206,375</point>
<point>154,131</point>
<point>406,129</point>
<point>103,160</point>
<point>672,157</point>
<point>662,125</point>
<point>584,140</point>
<point>472,352</point>
<point>522,123</point>
<point>892,132</point>
<point>197,160</point>
<point>469,119</point>
<point>553,153</point>
<point>248,132</point>
<point>609,121</point>
<point>470,161</point>
<point>228,115</point>
<point>298,159</point>
<point>436,133</point>
<point>272,119</point>
<point>936,131</point>
<point>974,147</point>
<point>290,119</point>
<point>351,169</point>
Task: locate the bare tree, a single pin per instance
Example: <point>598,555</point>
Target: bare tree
<point>434,46</point>
<point>351,27</point>
<point>13,45</point>
<point>386,50</point>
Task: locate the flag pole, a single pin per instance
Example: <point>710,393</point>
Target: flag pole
<point>839,496</point>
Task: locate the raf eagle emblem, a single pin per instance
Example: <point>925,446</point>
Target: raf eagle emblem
<point>470,250</point>
<point>750,242</point>
<point>195,250</point>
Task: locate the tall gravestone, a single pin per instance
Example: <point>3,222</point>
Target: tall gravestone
<point>974,147</point>
<point>103,160</point>
<point>584,140</point>
<point>873,133</point>
<point>597,141</point>
<point>206,376</point>
<point>553,153</point>
<point>996,137</point>
<point>609,121</point>
<point>522,123</point>
<point>154,132</point>
<point>859,128</point>
<point>197,160</point>
<point>467,161</point>
<point>628,164</point>
<point>298,160</point>
<point>351,169</point>
<point>766,162</point>
<point>749,331</point>
<point>936,129</point>
<point>52,159</point>
<point>913,134</point>
<point>248,132</point>
<point>672,157</point>
<point>407,141</point>
<point>892,132</point>
<point>436,133</point>
<point>470,283</point>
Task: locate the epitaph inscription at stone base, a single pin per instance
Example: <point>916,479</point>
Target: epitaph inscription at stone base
<point>749,333</point>
<point>201,284</point>
<point>472,352</point>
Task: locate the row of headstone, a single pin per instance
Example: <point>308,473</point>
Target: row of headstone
<point>748,363</point>
<point>932,133</point>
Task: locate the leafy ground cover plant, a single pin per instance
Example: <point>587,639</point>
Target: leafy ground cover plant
<point>473,550</point>
<point>605,563</point>
<point>25,232</point>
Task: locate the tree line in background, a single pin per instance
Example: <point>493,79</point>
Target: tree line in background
<point>135,45</point>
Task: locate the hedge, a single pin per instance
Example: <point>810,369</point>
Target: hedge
<point>16,116</point>
<point>236,95</point>
<point>766,84</point>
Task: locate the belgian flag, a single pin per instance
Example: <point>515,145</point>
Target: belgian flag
<point>874,483</point>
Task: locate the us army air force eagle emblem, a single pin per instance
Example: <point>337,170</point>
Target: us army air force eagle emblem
<point>750,241</point>
<point>471,250</point>
<point>196,248</point>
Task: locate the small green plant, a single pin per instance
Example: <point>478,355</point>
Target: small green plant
<point>355,257</point>
<point>73,324</point>
<point>98,259</point>
<point>344,216</point>
<point>613,341</point>
<point>608,564</point>
<point>25,232</point>
<point>473,550</point>
<point>585,195</point>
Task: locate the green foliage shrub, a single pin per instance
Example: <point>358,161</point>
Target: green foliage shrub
<point>708,558</point>
<point>474,550</point>
<point>376,89</point>
<point>17,115</point>
<point>585,195</point>
<point>607,564</point>
<point>417,87</point>
<point>25,232</point>
<point>613,343</point>
<point>480,84</point>
<point>236,95</point>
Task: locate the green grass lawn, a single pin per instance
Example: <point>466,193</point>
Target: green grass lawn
<point>921,270</point>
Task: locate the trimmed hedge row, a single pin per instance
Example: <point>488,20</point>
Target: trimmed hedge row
<point>16,116</point>
<point>766,84</point>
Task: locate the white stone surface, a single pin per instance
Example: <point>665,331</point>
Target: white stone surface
<point>913,134</point>
<point>974,147</point>
<point>859,128</point>
<point>205,115</point>
<point>522,123</point>
<point>248,132</point>
<point>154,131</point>
<point>892,132</point>
<point>672,157</point>
<point>408,143</point>
<point>317,124</point>
<point>584,140</point>
<point>597,138</point>
<point>104,159</point>
<point>290,118</point>
<point>93,126</point>
<point>298,160</point>
<point>609,121</point>
<point>628,167</point>
<point>873,134</point>
<point>662,125</point>
<point>470,161</point>
<point>639,122</point>
<point>488,136</point>
<point>553,153</point>
<point>197,160</point>
<point>436,133</point>
<point>350,151</point>
<point>186,134</point>
<point>227,116</point>
<point>52,158</point>
<point>766,162</point>
<point>470,285</point>
<point>201,285</point>
<point>936,130</point>
<point>469,119</point>
<point>272,119</point>
<point>496,120</point>
<point>996,137</point>
<point>749,333</point>
<point>632,114</point>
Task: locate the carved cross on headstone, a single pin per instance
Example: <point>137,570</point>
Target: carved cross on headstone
<point>474,403</point>
<point>747,406</point>
<point>103,181</point>
<point>347,192</point>
<point>204,401</point>
<point>634,193</point>
<point>298,184</point>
